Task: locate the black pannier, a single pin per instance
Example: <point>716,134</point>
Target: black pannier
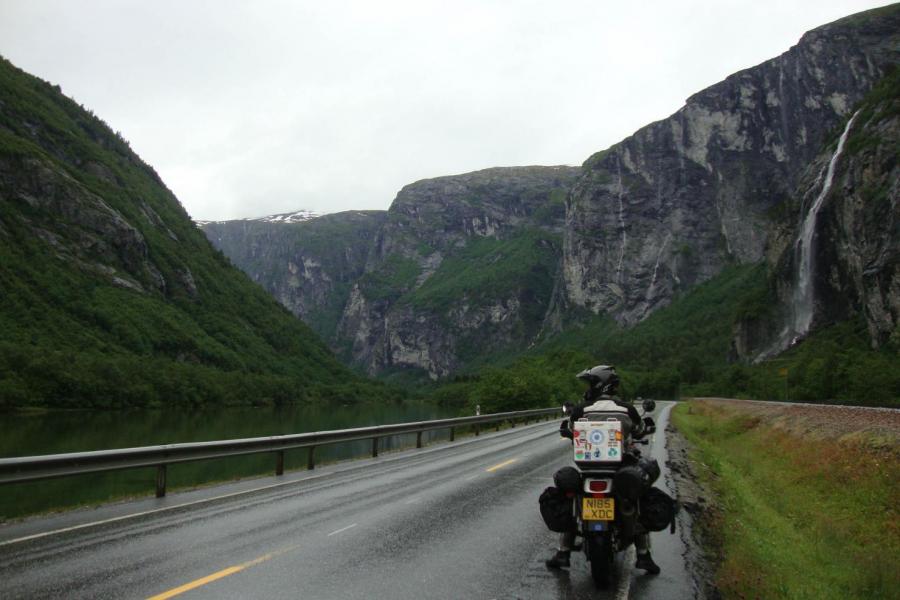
<point>629,482</point>
<point>557,510</point>
<point>633,480</point>
<point>658,510</point>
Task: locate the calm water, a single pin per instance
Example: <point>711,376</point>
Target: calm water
<point>52,433</point>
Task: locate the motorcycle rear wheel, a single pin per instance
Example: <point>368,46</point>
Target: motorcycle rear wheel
<point>600,553</point>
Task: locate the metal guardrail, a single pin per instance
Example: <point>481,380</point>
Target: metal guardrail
<point>32,468</point>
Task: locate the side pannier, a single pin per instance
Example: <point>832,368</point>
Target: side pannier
<point>557,510</point>
<point>658,510</point>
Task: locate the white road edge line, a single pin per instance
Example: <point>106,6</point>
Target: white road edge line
<point>342,530</point>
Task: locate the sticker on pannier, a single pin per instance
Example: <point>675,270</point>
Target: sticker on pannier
<point>597,441</point>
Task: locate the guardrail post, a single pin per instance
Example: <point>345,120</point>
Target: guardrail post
<point>374,447</point>
<point>476,430</point>
<point>279,463</point>
<point>160,481</point>
<point>419,439</point>
<point>452,434</point>
<point>311,458</point>
<point>512,423</point>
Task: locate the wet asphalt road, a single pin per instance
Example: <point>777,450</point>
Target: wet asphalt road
<point>457,520</point>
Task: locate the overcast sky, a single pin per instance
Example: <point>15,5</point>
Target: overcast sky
<point>254,108</point>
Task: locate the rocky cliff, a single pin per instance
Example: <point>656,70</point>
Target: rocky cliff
<point>859,252</point>
<point>671,205</point>
<point>457,268</point>
<point>468,268</point>
<point>309,265</point>
<point>835,248</point>
<point>463,268</point>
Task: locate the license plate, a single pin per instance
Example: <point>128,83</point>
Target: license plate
<point>598,509</point>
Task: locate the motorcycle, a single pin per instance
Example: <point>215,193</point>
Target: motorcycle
<point>608,498</point>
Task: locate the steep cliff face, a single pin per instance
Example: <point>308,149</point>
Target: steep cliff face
<point>671,205</point>
<point>308,264</point>
<point>467,268</point>
<point>79,226</point>
<point>463,267</point>
<point>860,249</point>
<point>457,268</point>
<point>844,218</point>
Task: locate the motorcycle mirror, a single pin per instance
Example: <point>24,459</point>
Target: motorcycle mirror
<point>567,408</point>
<point>649,405</point>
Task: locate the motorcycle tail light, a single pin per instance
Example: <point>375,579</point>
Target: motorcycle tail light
<point>598,486</point>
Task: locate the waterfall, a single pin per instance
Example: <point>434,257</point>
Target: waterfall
<point>803,300</point>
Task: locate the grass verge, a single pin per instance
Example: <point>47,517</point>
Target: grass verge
<point>797,515</point>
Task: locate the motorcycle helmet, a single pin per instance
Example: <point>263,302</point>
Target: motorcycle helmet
<point>602,379</point>
<point>568,479</point>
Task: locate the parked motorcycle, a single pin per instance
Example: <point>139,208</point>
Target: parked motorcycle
<point>608,498</point>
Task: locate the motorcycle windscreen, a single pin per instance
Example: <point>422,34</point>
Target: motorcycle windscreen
<point>597,441</point>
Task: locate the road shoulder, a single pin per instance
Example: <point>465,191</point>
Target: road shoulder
<point>699,513</point>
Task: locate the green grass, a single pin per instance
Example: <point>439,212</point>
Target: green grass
<point>796,517</point>
<point>489,269</point>
<point>394,277</point>
<point>881,104</point>
<point>554,209</point>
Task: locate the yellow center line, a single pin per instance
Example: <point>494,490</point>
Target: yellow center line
<point>215,576</point>
<point>501,465</point>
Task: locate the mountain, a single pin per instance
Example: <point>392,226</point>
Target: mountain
<point>470,270</point>
<point>111,295</point>
<point>297,216</point>
<point>458,268</point>
<point>685,196</point>
<point>309,266</point>
<point>842,256</point>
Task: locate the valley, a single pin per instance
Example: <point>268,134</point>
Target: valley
<point>722,250</point>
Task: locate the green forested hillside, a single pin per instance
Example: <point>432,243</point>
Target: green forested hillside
<point>684,350</point>
<point>684,343</point>
<point>110,294</point>
<point>690,348</point>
